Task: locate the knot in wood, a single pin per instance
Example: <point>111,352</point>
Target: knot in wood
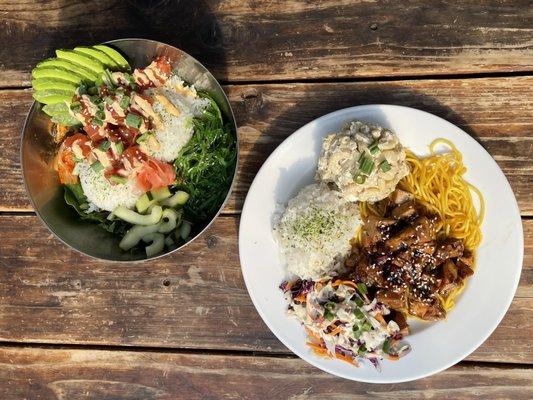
<point>211,241</point>
<point>253,100</point>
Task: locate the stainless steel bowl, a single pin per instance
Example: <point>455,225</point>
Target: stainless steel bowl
<point>38,149</point>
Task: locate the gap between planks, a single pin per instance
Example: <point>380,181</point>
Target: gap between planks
<point>477,75</point>
<point>211,352</point>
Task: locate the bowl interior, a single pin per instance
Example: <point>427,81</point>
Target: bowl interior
<point>38,150</point>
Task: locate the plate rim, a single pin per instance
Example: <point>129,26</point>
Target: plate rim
<point>503,310</point>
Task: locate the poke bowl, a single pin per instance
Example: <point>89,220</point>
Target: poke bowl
<point>184,102</point>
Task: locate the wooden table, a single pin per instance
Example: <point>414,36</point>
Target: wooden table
<point>183,327</point>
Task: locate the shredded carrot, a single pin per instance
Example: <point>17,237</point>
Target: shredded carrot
<point>339,282</point>
<point>313,335</point>
<point>301,298</point>
<point>337,329</point>
<point>393,357</point>
<point>381,320</point>
<point>347,359</point>
<point>318,349</point>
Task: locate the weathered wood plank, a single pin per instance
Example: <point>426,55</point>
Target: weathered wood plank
<point>33,373</point>
<point>497,111</point>
<point>247,40</point>
<point>194,299</point>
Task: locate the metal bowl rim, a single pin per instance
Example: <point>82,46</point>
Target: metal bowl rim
<point>228,195</point>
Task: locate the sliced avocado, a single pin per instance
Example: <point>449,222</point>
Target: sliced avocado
<point>56,62</point>
<point>114,55</point>
<point>98,55</point>
<point>55,109</point>
<point>65,119</point>
<point>56,73</point>
<point>82,60</point>
<point>51,83</point>
<point>51,96</point>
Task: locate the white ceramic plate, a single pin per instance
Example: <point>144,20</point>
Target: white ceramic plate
<point>481,306</point>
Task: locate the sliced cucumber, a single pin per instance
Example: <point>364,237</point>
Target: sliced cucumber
<point>169,241</point>
<point>144,202</point>
<point>115,55</point>
<point>184,231</point>
<point>158,243</point>
<point>161,193</point>
<point>52,96</point>
<point>50,83</point>
<point>138,219</point>
<point>178,199</point>
<point>134,235</point>
<point>170,219</point>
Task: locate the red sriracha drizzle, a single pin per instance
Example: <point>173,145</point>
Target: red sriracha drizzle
<point>101,126</point>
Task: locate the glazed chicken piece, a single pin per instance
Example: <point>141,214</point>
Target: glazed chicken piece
<point>428,311</point>
<point>395,300</point>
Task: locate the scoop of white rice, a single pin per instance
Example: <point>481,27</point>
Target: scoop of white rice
<point>315,231</point>
<point>176,131</point>
<point>101,193</point>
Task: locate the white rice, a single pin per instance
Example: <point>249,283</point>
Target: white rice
<point>101,193</point>
<point>176,131</point>
<point>315,231</point>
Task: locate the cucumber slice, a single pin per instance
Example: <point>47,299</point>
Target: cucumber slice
<point>68,66</point>
<point>170,219</point>
<point>169,241</point>
<point>50,83</point>
<point>115,55</point>
<point>82,60</point>
<point>98,55</point>
<point>56,73</point>
<point>51,96</point>
<point>157,246</point>
<point>144,203</point>
<point>161,193</point>
<point>138,219</point>
<point>178,199</point>
<point>184,230</point>
<point>135,234</point>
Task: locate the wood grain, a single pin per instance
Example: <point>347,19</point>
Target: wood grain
<point>249,40</point>
<point>96,374</point>
<point>195,299</point>
<point>498,112</point>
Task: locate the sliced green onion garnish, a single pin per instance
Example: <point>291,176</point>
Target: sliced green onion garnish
<point>92,90</point>
<point>386,346</point>
<point>100,114</point>
<point>361,158</point>
<point>119,146</point>
<point>362,350</point>
<point>329,305</point>
<point>97,166</point>
<point>104,146</point>
<point>329,315</point>
<point>358,313</point>
<point>124,102</point>
<point>75,106</point>
<point>108,100</point>
<point>373,148</point>
<point>82,89</point>
<point>366,326</point>
<point>117,179</point>
<point>356,332</point>
<point>97,121</point>
<point>133,121</point>
<point>143,137</point>
<point>362,288</point>
<point>359,301</point>
<point>366,166</point>
<point>95,99</point>
<point>385,166</point>
<point>360,179</point>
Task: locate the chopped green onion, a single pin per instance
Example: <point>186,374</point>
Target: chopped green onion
<point>95,99</point>
<point>109,78</point>
<point>75,106</point>
<point>360,179</point>
<point>361,158</point>
<point>359,314</point>
<point>108,100</point>
<point>366,326</point>
<point>143,137</point>
<point>366,166</point>
<point>356,332</point>
<point>118,179</point>
<point>104,146</point>
<point>362,350</point>
<point>373,148</point>
<point>124,102</point>
<point>133,121</point>
<point>100,114</point>
<point>119,146</point>
<point>97,166</point>
<point>76,159</point>
<point>385,166</point>
<point>329,315</point>
<point>329,305</point>
<point>362,288</point>
<point>97,121</point>
<point>92,90</point>
<point>359,301</point>
<point>82,89</point>
<point>386,346</point>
